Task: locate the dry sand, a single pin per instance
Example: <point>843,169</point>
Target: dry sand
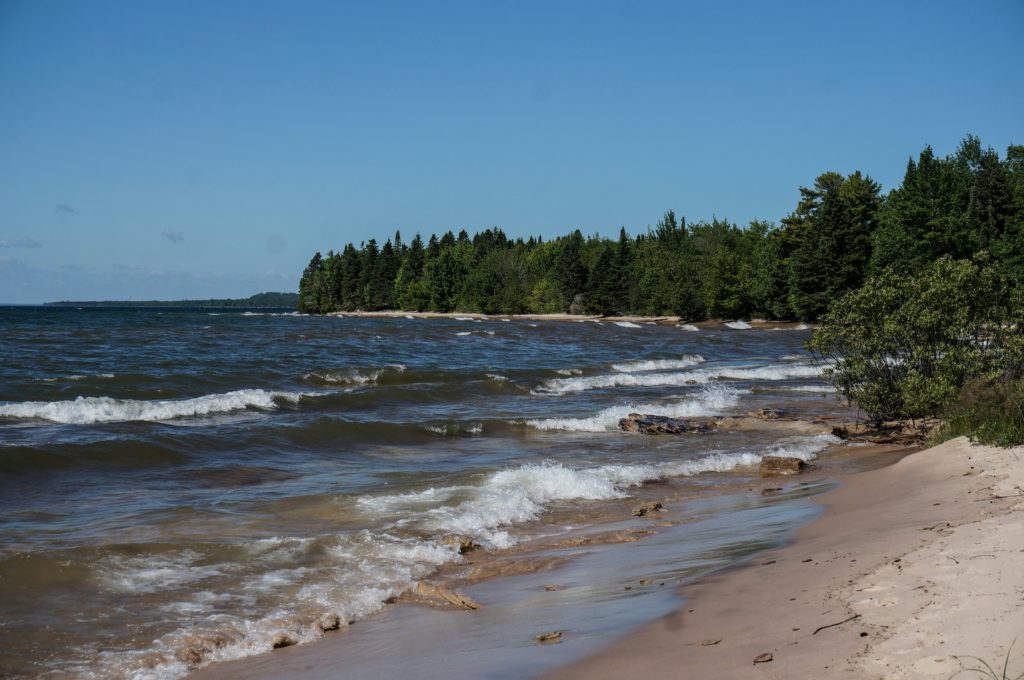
<point>922,560</point>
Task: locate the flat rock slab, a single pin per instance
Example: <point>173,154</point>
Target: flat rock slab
<point>774,466</point>
<point>649,424</point>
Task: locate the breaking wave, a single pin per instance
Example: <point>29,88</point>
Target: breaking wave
<point>87,410</point>
<point>713,400</point>
<point>354,376</point>
<point>658,364</point>
<point>697,376</point>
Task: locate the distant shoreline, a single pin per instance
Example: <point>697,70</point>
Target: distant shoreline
<point>662,320</point>
<point>259,301</point>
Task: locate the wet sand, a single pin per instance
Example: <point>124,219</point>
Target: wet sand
<point>912,569</point>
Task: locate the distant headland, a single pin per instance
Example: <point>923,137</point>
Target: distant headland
<point>258,301</point>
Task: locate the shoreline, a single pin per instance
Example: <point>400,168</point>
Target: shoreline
<point>912,571</point>
<point>907,570</point>
<point>761,324</point>
<point>611,538</point>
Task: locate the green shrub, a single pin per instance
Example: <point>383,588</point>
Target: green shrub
<point>903,346</point>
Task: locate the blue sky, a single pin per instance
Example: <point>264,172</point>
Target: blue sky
<point>197,149</point>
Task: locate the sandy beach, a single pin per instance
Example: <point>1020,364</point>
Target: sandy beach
<point>913,569</point>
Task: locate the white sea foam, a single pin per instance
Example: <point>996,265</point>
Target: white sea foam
<point>687,327</point>
<point>514,496</point>
<point>355,376</point>
<point>414,500</point>
<point>464,333</point>
<point>696,376</point>
<point>739,325</point>
<point>497,377</point>
<point>685,361</point>
<point>809,388</point>
<point>455,429</point>
<point>153,573</point>
<point>77,377</point>
<point>569,371</point>
<point>714,399</point>
<point>86,410</point>
<point>627,324</point>
<point>522,494</point>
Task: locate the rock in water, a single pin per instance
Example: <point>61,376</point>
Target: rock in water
<point>432,592</point>
<point>283,640</point>
<point>646,508</point>
<point>767,414</point>
<point>773,466</point>
<point>465,544</point>
<point>552,636</point>
<point>329,621</point>
<point>648,424</point>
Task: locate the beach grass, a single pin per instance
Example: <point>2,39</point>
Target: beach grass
<point>989,413</point>
<point>985,670</point>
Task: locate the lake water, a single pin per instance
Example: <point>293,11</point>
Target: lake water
<point>173,481</point>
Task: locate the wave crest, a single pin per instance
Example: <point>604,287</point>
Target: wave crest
<point>713,400</point>
<point>88,410</point>
<point>694,377</point>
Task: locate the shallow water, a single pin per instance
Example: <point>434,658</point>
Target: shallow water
<point>174,476</point>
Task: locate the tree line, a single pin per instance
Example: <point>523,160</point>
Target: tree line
<point>842,232</point>
<point>258,301</point>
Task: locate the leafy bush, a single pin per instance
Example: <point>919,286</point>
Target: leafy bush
<point>903,346</point>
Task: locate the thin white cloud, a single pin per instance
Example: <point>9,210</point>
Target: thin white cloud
<point>23,242</point>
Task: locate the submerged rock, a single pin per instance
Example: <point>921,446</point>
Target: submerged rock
<point>644,509</point>
<point>767,414</point>
<point>551,636</point>
<point>283,640</point>
<point>649,424</point>
<point>195,648</point>
<point>465,544</point>
<point>774,466</point>
<point>329,621</point>
<point>436,593</point>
